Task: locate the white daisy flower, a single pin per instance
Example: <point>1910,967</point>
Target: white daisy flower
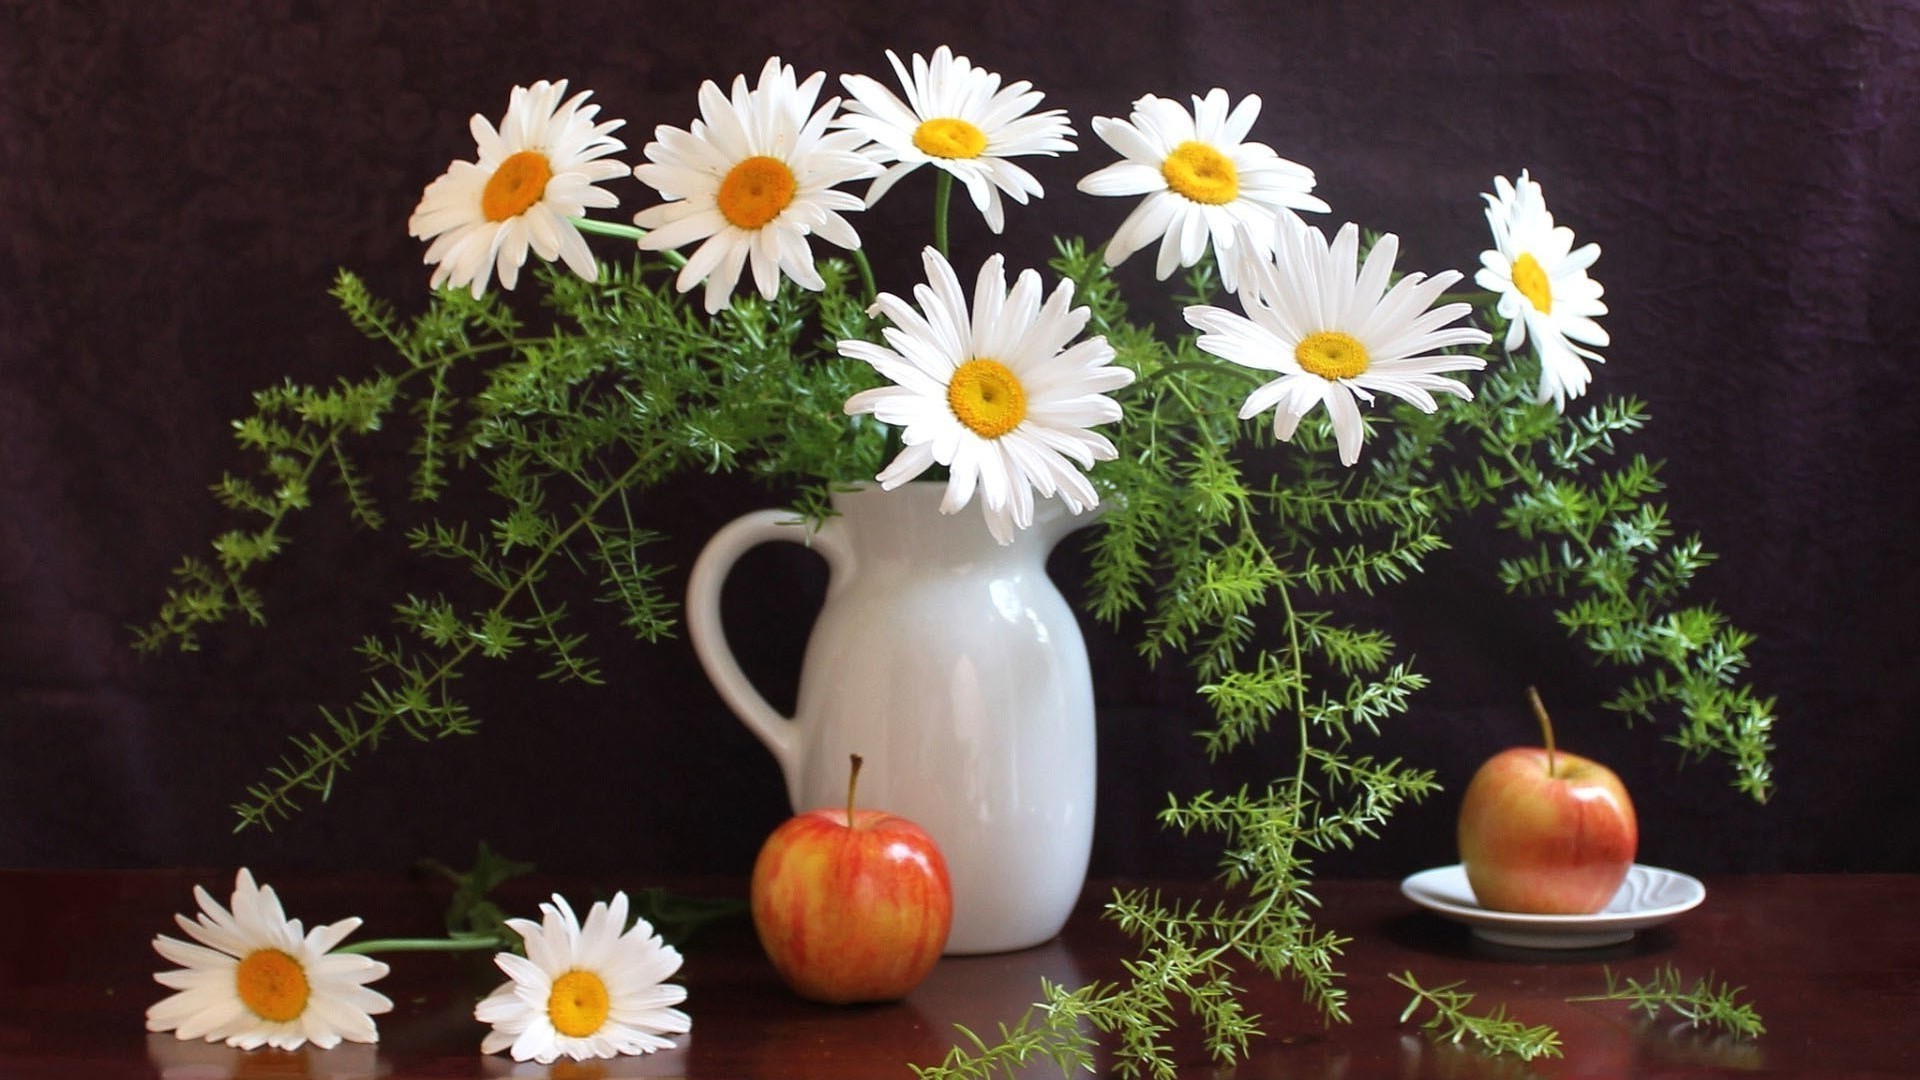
<point>256,980</point>
<point>993,392</point>
<point>1336,333</point>
<point>956,117</point>
<point>535,174</point>
<point>584,992</point>
<point>1545,293</point>
<point>1202,181</point>
<point>754,178</point>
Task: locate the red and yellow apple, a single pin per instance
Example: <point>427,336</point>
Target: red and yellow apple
<point>1546,832</point>
<point>851,905</point>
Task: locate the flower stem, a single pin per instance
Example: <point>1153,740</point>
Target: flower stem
<point>624,232</point>
<point>871,290</point>
<point>942,199</point>
<point>608,228</point>
<point>460,943</point>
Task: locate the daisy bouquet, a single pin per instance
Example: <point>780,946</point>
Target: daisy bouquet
<point>1320,420</point>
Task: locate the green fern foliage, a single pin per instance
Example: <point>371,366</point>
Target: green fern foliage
<point>1238,564</point>
<point>564,426</point>
<point>1452,1019</point>
<point>1592,537</point>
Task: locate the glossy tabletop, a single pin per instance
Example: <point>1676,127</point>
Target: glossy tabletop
<point>1832,964</point>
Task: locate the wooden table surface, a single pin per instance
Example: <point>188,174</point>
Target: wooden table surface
<point>1832,963</point>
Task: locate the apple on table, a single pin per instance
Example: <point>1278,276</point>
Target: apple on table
<point>1546,832</point>
<point>851,905</point>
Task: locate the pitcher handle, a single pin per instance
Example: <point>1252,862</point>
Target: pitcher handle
<point>779,733</point>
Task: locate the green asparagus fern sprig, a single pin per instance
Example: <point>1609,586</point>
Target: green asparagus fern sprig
<point>1708,1002</point>
<point>1494,1031</point>
<point>564,430</point>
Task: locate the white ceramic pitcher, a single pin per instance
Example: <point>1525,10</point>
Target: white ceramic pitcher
<point>955,668</point>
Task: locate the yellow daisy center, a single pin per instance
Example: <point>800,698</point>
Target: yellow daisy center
<point>987,397</point>
<point>578,1004</point>
<point>949,137</point>
<point>1532,282</point>
<point>756,190</point>
<point>272,984</point>
<point>517,184</point>
<point>1331,354</point>
<point>1202,174</point>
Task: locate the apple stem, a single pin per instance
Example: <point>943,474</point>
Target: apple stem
<point>853,779</point>
<point>1546,724</point>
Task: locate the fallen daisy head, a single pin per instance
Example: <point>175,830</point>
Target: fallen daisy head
<point>252,978</point>
<point>593,990</point>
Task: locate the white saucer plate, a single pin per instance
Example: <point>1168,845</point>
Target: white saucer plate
<point>1648,897</point>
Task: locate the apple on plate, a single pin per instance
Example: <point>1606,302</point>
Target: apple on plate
<point>1546,832</point>
<point>851,905</point>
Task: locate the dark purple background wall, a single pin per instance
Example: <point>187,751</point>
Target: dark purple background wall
<point>179,181</point>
